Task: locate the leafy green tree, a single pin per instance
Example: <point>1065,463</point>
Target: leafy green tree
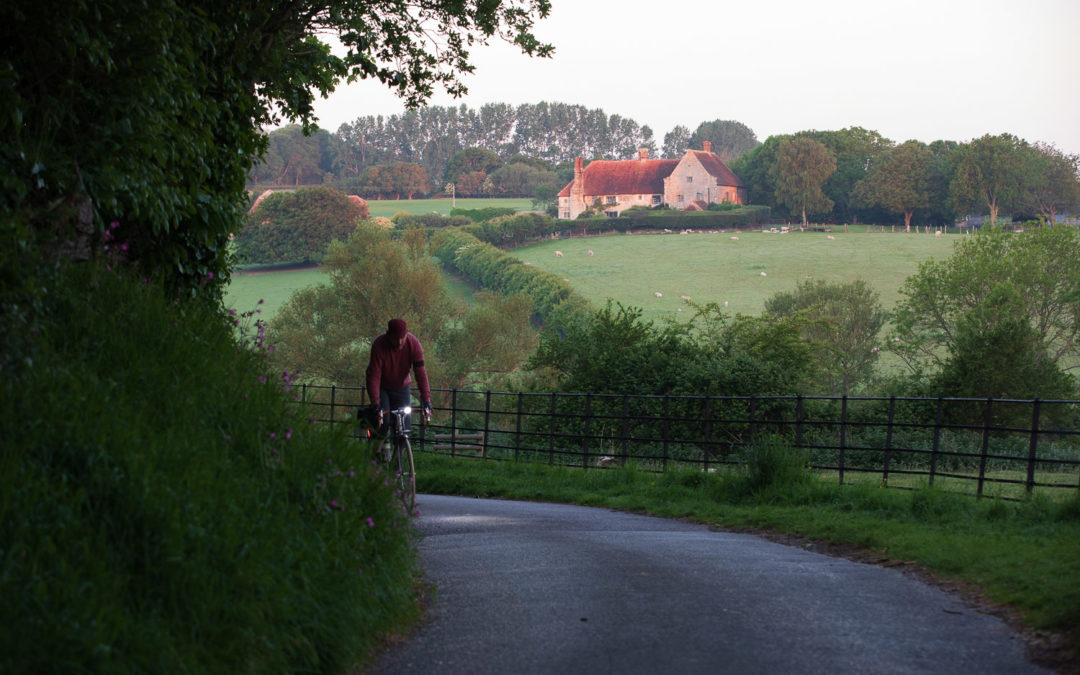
<point>729,139</point>
<point>150,115</point>
<point>756,170</point>
<point>1055,181</point>
<point>899,181</point>
<point>519,179</point>
<point>1041,267</point>
<point>298,226</point>
<point>470,160</point>
<point>802,167</point>
<point>471,184</point>
<point>842,321</point>
<point>294,158</point>
<point>855,149</point>
<point>991,172</point>
<point>324,333</point>
<point>676,142</point>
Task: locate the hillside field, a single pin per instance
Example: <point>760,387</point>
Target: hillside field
<point>719,268</point>
<point>706,267</point>
<point>388,207</point>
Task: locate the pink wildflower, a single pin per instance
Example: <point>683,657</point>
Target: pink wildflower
<point>370,522</point>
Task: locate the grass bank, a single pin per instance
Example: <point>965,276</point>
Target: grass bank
<point>165,506</point>
<point>1020,555</point>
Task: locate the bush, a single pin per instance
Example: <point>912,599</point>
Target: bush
<point>661,219</point>
<point>298,226</point>
<point>167,507</point>
<point>429,220</point>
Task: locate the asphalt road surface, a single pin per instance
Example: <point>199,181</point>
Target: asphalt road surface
<point>547,588</point>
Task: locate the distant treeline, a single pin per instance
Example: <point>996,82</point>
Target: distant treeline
<point>844,176</point>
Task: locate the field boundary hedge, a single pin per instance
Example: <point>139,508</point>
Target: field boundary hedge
<point>554,301</point>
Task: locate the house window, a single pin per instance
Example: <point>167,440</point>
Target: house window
<point>610,200</point>
<point>689,179</point>
<point>679,199</point>
<point>611,214</point>
<point>565,214</point>
<point>656,199</point>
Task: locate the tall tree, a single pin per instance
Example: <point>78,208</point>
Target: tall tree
<point>1041,267</point>
<point>898,181</point>
<point>469,160</point>
<point>676,142</point>
<point>856,150</point>
<point>802,167</point>
<point>149,115</point>
<point>1055,181</point>
<point>729,139</point>
<point>842,321</point>
<point>990,171</point>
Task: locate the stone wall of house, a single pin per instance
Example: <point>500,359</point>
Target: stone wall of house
<point>690,182</point>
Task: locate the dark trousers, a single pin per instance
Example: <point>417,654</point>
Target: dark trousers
<point>390,399</point>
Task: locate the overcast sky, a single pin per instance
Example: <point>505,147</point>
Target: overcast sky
<point>918,69</point>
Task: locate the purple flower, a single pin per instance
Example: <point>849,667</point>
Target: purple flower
<point>273,434</point>
<point>370,522</point>
<point>288,433</point>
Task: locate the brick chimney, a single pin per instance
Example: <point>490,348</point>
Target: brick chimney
<point>642,153</point>
<point>577,188</point>
<point>707,146</point>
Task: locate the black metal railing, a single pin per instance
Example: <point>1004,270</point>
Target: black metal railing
<point>896,440</point>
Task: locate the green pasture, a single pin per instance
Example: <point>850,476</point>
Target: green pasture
<point>273,287</point>
<point>388,207</point>
<point>742,272</point>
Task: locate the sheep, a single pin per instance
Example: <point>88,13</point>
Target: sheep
<point>937,233</point>
<point>558,254</point>
<point>685,297</point>
<point>659,294</point>
<point>829,236</point>
<point>725,303</point>
<point>590,252</point>
<point>764,275</point>
<point>734,239</point>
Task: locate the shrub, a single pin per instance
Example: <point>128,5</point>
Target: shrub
<point>484,214</point>
<point>298,226</point>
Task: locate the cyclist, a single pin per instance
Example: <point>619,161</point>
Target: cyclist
<point>393,355</point>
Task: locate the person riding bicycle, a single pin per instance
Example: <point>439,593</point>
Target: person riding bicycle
<point>393,355</point>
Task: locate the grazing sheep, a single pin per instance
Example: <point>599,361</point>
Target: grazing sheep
<point>937,233</point>
<point>685,297</point>
<point>725,303</point>
<point>734,239</point>
<point>764,275</point>
<point>558,254</point>
<point>830,237</point>
<point>528,264</point>
<point>590,252</point>
<point>659,294</point>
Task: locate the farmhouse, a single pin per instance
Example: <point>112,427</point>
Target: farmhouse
<point>693,182</point>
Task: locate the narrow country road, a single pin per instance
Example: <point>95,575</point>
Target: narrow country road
<point>547,588</point>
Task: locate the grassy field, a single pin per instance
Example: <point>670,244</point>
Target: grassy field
<point>706,267</point>
<point>717,268</point>
<point>388,207</point>
<point>274,288</point>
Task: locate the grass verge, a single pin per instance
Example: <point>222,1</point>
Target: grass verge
<point>1020,556</point>
<point>165,506</point>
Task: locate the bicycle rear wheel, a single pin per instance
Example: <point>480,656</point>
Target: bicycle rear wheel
<point>402,463</point>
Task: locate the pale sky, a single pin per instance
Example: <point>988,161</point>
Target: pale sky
<point>918,69</point>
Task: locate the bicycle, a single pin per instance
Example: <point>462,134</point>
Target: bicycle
<point>400,457</point>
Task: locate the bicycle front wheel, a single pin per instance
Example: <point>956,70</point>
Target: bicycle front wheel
<point>405,469</point>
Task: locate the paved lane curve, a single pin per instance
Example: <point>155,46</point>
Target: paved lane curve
<point>547,588</point>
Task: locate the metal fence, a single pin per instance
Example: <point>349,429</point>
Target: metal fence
<point>1001,447</point>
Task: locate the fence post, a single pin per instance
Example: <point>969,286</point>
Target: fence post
<point>1034,445</point>
<point>551,431</point>
<point>888,440</point>
<point>625,427</point>
<point>799,421</point>
<point>453,422</point>
<point>333,390</point>
<point>517,434</point>
<point>985,444</point>
<point>487,422</point>
<point>753,409</point>
<point>937,440</point>
<point>843,435</point>
<point>667,430</point>
<point>588,431</point>
<point>708,434</point>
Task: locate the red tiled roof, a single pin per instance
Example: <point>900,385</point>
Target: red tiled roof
<point>627,177</point>
<point>716,168</point>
